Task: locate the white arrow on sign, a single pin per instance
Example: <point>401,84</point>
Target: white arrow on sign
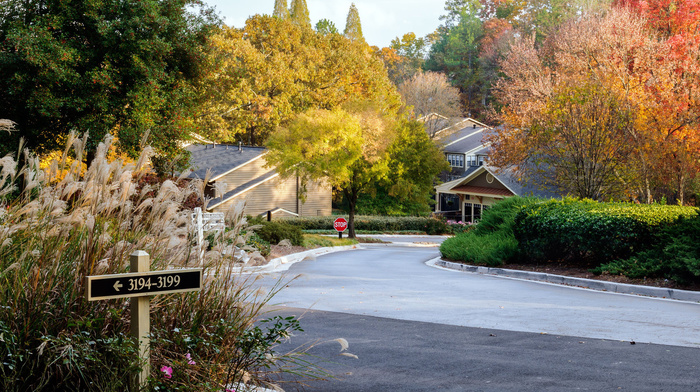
<point>117,286</point>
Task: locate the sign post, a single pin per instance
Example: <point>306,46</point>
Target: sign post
<point>140,320</point>
<point>340,225</point>
<point>141,283</point>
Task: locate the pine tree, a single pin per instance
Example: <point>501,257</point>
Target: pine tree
<point>281,10</point>
<point>353,27</point>
<point>300,13</point>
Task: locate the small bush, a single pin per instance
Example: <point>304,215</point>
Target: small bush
<point>458,227</point>
<point>491,249</point>
<point>260,244</point>
<point>491,242</point>
<point>276,231</point>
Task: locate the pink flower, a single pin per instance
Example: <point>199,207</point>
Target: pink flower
<point>167,371</point>
<point>190,361</point>
<point>230,390</point>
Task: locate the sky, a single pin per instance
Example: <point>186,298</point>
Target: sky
<point>382,20</point>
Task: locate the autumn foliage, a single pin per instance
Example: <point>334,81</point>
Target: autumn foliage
<point>606,108</point>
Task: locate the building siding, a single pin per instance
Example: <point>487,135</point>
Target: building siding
<point>244,174</point>
<point>282,193</point>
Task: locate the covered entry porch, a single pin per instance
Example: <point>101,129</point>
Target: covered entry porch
<point>465,199</point>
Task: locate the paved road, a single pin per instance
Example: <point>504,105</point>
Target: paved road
<point>418,328</point>
<point>394,282</point>
<point>407,356</point>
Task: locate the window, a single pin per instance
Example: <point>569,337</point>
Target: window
<point>475,160</point>
<point>455,160</point>
<point>472,212</point>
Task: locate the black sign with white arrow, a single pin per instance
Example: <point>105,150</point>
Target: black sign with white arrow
<point>143,283</point>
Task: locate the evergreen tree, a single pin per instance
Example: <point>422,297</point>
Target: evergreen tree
<point>325,27</point>
<point>281,10</point>
<point>353,27</point>
<point>300,13</point>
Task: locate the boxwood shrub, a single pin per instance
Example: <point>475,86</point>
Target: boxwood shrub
<point>674,254</point>
<point>381,224</point>
<point>590,233</point>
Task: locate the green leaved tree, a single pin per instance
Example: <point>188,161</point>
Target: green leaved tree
<point>325,27</point>
<point>456,51</point>
<point>114,66</point>
<point>414,162</point>
<point>347,148</point>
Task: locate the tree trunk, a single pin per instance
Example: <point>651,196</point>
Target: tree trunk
<point>351,196</point>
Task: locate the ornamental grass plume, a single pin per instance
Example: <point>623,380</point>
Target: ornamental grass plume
<point>68,221</point>
<point>7,125</point>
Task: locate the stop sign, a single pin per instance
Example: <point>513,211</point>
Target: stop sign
<point>340,224</point>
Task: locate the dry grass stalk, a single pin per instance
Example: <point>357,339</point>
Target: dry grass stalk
<point>68,223</point>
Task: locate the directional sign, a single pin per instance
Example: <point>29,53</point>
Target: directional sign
<point>140,284</point>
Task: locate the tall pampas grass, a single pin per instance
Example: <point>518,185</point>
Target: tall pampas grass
<point>69,222</point>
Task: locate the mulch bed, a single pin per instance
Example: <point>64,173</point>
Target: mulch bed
<point>579,272</point>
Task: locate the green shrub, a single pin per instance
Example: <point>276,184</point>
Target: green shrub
<point>458,227</point>
<point>378,224</point>
<point>491,249</point>
<point>275,231</point>
<point>258,243</point>
<point>590,233</point>
<point>491,242</point>
<point>501,216</point>
<point>675,255</point>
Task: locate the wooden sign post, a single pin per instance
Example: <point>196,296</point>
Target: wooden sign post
<point>141,283</point>
<point>141,320</point>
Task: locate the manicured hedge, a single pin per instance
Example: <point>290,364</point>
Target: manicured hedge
<point>427,225</point>
<point>674,254</point>
<point>588,232</point>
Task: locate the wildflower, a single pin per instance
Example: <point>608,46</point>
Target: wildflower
<point>167,371</point>
<point>190,361</point>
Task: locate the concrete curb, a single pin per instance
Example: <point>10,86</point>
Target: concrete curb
<point>283,263</point>
<point>622,288</point>
<point>404,244</point>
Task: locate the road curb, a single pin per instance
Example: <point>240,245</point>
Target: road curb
<point>399,244</point>
<point>622,288</point>
<point>283,263</point>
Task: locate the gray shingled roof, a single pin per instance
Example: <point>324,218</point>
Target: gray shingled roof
<point>463,140</point>
<point>509,179</point>
<point>220,158</point>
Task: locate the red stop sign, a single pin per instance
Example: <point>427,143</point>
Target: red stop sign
<point>340,224</point>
